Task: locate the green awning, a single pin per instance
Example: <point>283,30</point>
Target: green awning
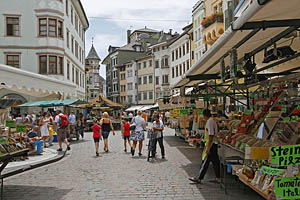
<point>51,103</point>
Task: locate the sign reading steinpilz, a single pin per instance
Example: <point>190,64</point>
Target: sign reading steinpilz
<point>285,155</point>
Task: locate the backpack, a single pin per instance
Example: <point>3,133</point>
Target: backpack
<point>63,121</point>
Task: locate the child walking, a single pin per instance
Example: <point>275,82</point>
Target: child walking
<point>126,133</point>
<point>96,135</point>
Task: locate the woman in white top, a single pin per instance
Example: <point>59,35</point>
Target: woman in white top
<point>138,133</point>
<point>45,119</point>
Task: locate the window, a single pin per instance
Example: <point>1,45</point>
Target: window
<point>13,60</point>
<point>123,88</point>
<point>73,76</point>
<point>180,69</point>
<point>79,52</point>
<point>216,9</point>
<point>129,73</point>
<point>72,44</point>
<point>71,14</point>
<point>173,72</point>
<point>145,80</point>
<point>157,64</point>
<point>43,27</point>
<point>76,22</point>
<point>130,86</point>
<point>140,81</point>
<point>67,7</point>
<point>165,62</point>
<point>150,63</point>
<point>187,65</point>
<point>76,49</point>
<point>68,70</point>
<point>183,66</point>
<point>144,64</point>
<point>145,96</point>
<point>139,65</point>
<point>183,49</point>
<point>176,70</point>
<point>140,96</point>
<point>172,55</point>
<point>43,64</point>
<point>114,74</point>
<point>52,27</point>
<point>12,26</point>
<point>150,95</point>
<point>77,78</point>
<point>68,38</point>
<point>165,79</point>
<point>157,80</point>
<point>196,35</point>
<point>60,29</point>
<point>80,78</point>
<point>176,54</point>
<point>220,7</point>
<point>123,76</point>
<point>51,64</point>
<point>187,47</point>
<point>150,79</point>
<point>179,52</point>
<point>193,55</point>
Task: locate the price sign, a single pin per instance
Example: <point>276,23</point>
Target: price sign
<point>10,123</point>
<point>287,188</point>
<point>200,112</point>
<point>287,119</point>
<point>272,171</point>
<point>21,128</point>
<point>184,112</point>
<point>285,155</point>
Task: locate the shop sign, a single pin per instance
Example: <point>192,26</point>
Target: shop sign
<point>21,128</point>
<point>10,123</point>
<point>184,112</point>
<point>272,171</point>
<point>287,188</point>
<point>257,153</point>
<point>285,155</point>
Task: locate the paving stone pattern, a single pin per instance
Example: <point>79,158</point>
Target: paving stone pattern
<point>116,175</point>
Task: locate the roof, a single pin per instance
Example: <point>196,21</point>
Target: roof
<point>149,30</point>
<point>103,100</point>
<point>130,46</point>
<point>93,54</point>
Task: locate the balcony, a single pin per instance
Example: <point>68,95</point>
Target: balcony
<point>213,28</point>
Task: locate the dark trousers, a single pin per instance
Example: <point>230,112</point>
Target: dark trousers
<point>161,145</point>
<point>211,157</point>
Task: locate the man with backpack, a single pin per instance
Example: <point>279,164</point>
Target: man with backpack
<point>62,123</point>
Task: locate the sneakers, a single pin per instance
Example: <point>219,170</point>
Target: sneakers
<point>132,151</point>
<point>140,154</point>
<point>163,157</point>
<point>60,149</point>
<point>97,154</point>
<point>68,147</point>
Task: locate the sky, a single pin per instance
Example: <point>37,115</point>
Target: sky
<point>110,20</point>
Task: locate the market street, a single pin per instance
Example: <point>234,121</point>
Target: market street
<point>116,175</point>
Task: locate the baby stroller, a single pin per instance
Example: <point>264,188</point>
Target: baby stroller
<point>151,135</point>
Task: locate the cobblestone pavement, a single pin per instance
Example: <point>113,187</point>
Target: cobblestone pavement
<point>116,175</point>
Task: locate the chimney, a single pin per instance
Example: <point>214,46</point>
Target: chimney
<point>128,36</point>
<point>170,31</point>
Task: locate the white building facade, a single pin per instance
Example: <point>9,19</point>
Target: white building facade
<point>131,81</point>
<point>198,13</point>
<point>45,37</point>
<point>180,58</point>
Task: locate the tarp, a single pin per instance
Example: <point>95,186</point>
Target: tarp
<point>52,103</point>
<point>134,108</point>
<point>103,101</point>
<point>147,107</point>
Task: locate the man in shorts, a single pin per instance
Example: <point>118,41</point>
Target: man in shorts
<point>61,129</point>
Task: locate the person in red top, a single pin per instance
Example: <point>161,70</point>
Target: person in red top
<point>126,133</point>
<point>96,135</point>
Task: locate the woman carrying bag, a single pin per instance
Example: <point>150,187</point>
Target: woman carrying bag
<point>158,128</point>
<point>138,133</point>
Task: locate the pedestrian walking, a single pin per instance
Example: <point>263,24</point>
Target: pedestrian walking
<point>130,117</point>
<point>80,124</point>
<point>210,152</point>
<point>96,136</point>
<point>44,120</point>
<point>106,127</point>
<point>158,127</point>
<point>137,135</point>
<point>61,124</point>
<point>126,134</point>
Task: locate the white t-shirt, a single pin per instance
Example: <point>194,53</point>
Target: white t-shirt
<point>139,121</point>
<point>130,115</point>
<point>161,125</point>
<point>167,114</point>
<point>211,127</point>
